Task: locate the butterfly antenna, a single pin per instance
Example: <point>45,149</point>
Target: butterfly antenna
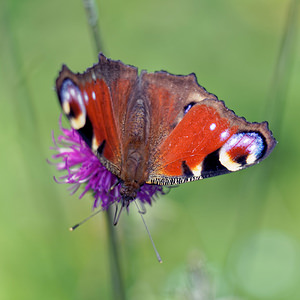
<point>86,219</point>
<point>141,214</point>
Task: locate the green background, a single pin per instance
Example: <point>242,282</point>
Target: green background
<point>234,236</point>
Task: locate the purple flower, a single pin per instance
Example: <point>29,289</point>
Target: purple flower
<point>84,168</point>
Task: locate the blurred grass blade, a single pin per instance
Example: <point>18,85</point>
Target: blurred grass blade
<point>254,192</point>
<point>276,102</point>
<point>25,116</point>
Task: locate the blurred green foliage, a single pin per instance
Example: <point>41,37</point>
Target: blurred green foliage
<point>244,226</point>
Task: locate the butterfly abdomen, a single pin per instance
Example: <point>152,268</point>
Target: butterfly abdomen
<point>134,161</point>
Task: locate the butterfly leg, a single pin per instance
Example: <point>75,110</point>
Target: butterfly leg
<point>124,204</point>
<point>141,208</point>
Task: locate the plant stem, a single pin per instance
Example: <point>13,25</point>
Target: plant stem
<point>276,101</point>
<point>117,282</point>
<point>116,275</point>
<point>92,16</point>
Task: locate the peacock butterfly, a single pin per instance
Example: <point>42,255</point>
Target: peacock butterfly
<point>157,128</point>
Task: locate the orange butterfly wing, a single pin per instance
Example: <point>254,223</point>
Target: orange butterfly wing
<point>194,135</point>
<point>95,102</point>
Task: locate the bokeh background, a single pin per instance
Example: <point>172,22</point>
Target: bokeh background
<point>229,237</point>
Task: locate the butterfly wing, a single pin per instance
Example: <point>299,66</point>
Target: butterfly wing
<point>196,136</point>
<point>192,135</point>
<point>95,103</point>
<point>170,97</point>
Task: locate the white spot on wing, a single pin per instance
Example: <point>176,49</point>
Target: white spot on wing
<point>72,92</point>
<point>224,135</point>
<point>95,144</point>
<point>93,75</point>
<point>66,96</point>
<point>66,107</point>
<point>212,126</point>
<point>78,122</point>
<point>86,97</point>
<point>197,170</point>
<point>94,95</point>
<point>251,159</point>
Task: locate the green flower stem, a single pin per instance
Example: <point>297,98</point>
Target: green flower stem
<point>116,275</point>
<point>92,16</point>
<point>117,279</point>
<point>282,75</point>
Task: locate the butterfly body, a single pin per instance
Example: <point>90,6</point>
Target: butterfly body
<point>134,167</point>
<point>157,128</point>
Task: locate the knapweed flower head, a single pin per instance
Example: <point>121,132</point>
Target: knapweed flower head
<point>82,167</point>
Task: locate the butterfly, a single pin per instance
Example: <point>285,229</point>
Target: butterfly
<point>157,128</point>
